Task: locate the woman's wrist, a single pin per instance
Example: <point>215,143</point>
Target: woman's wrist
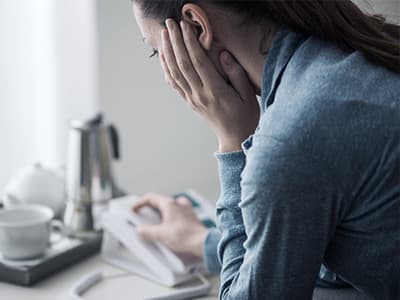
<point>199,236</point>
<point>229,146</point>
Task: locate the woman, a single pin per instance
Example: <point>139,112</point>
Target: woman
<point>314,177</point>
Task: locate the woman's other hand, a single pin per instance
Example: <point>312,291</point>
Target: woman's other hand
<point>180,229</point>
<point>232,110</point>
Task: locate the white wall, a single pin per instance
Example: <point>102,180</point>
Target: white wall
<point>65,72</point>
<point>48,75</point>
<point>16,87</point>
<point>388,8</point>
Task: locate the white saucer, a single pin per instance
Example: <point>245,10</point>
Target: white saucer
<point>60,246</point>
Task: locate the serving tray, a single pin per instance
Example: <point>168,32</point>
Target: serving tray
<point>60,256</point>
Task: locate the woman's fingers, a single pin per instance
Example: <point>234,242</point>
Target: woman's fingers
<point>237,76</point>
<point>152,200</point>
<point>145,202</point>
<point>203,66</point>
<point>168,77</point>
<point>171,64</point>
<point>183,201</point>
<point>151,232</point>
<point>181,56</point>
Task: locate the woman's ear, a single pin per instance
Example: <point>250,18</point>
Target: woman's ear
<point>196,16</point>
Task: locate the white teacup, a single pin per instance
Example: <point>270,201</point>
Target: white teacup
<point>25,231</point>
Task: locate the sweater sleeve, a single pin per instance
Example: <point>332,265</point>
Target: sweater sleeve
<point>230,187</point>
<point>326,278</point>
<point>229,216</point>
<point>275,214</point>
<point>210,258</point>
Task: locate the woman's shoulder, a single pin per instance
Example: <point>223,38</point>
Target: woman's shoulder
<point>322,69</point>
<point>325,88</point>
<point>322,79</point>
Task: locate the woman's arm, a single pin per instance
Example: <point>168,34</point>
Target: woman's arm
<point>210,247</point>
<point>289,210</point>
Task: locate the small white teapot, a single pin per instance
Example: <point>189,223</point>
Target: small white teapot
<point>36,185</point>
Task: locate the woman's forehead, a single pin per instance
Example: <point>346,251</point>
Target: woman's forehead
<point>149,27</point>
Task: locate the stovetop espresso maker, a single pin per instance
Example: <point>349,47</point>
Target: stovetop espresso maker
<point>93,146</point>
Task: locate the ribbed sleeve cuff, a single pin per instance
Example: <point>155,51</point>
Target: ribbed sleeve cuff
<point>210,246</point>
<point>230,167</point>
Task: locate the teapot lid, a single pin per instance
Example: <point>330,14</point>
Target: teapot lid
<point>91,123</point>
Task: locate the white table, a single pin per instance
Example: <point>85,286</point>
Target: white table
<point>127,286</point>
<point>124,287</point>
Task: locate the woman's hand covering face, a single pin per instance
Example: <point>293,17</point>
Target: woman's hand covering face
<point>231,109</point>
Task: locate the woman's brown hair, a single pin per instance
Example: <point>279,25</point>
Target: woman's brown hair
<point>340,21</point>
